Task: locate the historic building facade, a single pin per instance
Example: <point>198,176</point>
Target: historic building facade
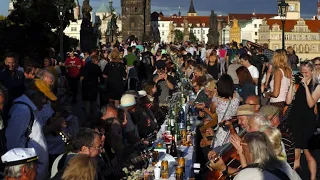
<point>136,18</point>
<point>302,35</point>
<point>198,25</point>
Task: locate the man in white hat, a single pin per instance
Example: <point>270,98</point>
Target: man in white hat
<point>20,164</point>
<point>139,117</point>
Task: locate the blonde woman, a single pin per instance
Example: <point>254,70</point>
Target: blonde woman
<point>303,125</point>
<point>280,81</point>
<point>274,136</point>
<point>80,167</point>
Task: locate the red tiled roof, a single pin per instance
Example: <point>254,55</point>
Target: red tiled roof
<point>194,20</point>
<point>313,25</point>
<point>249,16</point>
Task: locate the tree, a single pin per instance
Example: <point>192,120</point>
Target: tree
<point>28,29</point>
<point>178,35</point>
<point>192,37</point>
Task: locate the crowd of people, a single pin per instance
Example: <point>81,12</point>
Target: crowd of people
<point>260,108</point>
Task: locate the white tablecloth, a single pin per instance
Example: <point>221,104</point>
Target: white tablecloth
<point>188,154</point>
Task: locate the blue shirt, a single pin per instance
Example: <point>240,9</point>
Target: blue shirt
<point>15,133</point>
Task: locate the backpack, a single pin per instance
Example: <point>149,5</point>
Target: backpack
<point>3,141</point>
<point>233,55</point>
<point>146,59</point>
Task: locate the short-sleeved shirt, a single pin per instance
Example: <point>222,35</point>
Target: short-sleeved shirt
<point>130,59</point>
<point>74,70</point>
<point>253,72</point>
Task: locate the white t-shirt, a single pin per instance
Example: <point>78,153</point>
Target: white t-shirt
<point>258,174</point>
<point>254,74</point>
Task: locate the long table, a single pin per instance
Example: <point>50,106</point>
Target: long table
<point>188,155</point>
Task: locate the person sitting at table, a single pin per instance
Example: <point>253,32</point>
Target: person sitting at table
<point>207,111</point>
<point>140,118</point>
<point>261,158</point>
<point>199,88</point>
<point>149,101</point>
<point>227,103</point>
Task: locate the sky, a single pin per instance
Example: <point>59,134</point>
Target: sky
<point>203,7</point>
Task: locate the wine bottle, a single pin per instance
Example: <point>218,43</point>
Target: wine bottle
<point>188,123</point>
<point>169,125</point>
<point>173,149</point>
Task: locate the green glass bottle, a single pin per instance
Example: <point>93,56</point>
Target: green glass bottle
<point>169,124</point>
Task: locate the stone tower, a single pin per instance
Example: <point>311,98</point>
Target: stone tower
<point>293,11</point>
<point>136,19</point>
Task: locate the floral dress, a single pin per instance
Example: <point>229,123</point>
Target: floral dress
<point>222,134</point>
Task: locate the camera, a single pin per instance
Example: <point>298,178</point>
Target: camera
<point>297,78</point>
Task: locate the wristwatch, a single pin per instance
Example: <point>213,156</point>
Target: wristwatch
<point>225,172</point>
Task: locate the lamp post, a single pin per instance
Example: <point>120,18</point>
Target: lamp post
<point>62,14</point>
<point>224,37</point>
<point>282,10</point>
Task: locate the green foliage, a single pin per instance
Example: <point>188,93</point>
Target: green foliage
<point>192,37</point>
<point>178,35</point>
<point>28,29</point>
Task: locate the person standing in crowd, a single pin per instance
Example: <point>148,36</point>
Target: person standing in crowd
<point>245,61</point>
<point>115,74</point>
<point>246,83</point>
<point>90,75</point>
<point>242,50</point>
<point>165,84</point>
<point>21,164</point>
<point>280,80</point>
<point>148,63</point>
<point>234,65</point>
<point>73,65</point>
<point>316,62</point>
<point>12,78</point>
<point>231,54</point>
<point>130,59</point>
<point>302,117</point>
<point>22,113</point>
<point>293,59</point>
<point>262,68</point>
<point>213,64</point>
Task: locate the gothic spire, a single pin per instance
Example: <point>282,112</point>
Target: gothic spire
<point>191,9</point>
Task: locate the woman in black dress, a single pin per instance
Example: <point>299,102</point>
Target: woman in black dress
<point>90,75</point>
<point>213,64</point>
<point>115,72</point>
<point>302,118</point>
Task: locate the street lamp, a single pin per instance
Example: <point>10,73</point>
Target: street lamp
<point>224,37</point>
<point>282,10</point>
<point>62,14</point>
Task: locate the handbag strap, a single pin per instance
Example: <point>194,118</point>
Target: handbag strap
<point>225,112</point>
